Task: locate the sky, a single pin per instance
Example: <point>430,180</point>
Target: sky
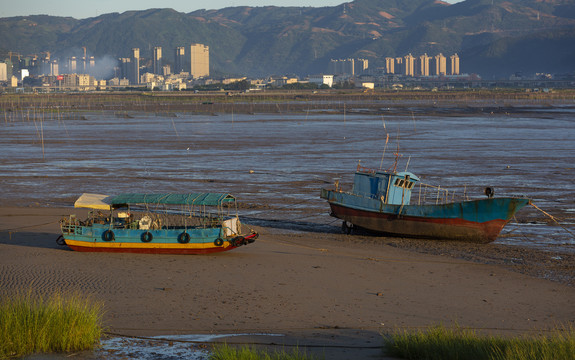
<point>81,9</point>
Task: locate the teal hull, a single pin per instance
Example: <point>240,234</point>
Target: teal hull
<point>102,238</point>
<point>474,221</point>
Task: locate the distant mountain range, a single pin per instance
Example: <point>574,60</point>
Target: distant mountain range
<point>494,38</point>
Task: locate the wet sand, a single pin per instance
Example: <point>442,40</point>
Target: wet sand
<point>336,293</point>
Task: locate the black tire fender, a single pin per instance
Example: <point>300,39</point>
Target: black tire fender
<point>184,238</point>
<point>108,235</point>
<point>60,240</point>
<point>147,237</point>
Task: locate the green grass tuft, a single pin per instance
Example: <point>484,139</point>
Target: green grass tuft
<point>31,324</point>
<point>444,343</point>
<point>227,352</point>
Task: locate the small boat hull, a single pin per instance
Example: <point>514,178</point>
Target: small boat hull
<point>478,221</point>
<point>160,229</point>
<point>120,248</point>
<point>199,241</point>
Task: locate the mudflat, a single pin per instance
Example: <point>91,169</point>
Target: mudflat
<point>336,293</point>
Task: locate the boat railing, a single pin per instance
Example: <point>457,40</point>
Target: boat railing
<point>71,225</point>
<point>365,169</point>
<point>430,194</point>
<point>369,170</point>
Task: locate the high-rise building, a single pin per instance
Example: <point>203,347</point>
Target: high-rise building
<point>45,66</point>
<point>341,67</point>
<point>135,73</point>
<point>454,64</point>
<point>90,65</point>
<point>347,66</point>
<point>84,64</point>
<point>157,61</point>
<point>389,65</point>
<point>179,60</point>
<point>439,65</point>
<point>9,69</point>
<point>333,67</point>
<point>409,65</point>
<point>3,72</point>
<point>199,61</point>
<point>72,64</point>
<point>360,66</point>
<point>125,68</point>
<point>423,65</point>
<point>54,68</point>
<point>399,65</point>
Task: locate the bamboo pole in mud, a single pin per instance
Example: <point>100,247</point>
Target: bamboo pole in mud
<point>42,134</point>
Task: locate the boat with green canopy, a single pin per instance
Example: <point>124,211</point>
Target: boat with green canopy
<point>168,223</point>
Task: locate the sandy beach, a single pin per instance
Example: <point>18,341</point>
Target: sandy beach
<point>335,293</point>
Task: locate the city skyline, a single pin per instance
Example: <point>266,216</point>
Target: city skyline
<point>195,62</point>
<point>303,41</point>
<point>82,10</point>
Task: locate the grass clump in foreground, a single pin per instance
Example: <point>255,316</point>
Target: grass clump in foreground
<point>444,343</point>
<point>32,324</point>
<point>227,352</point>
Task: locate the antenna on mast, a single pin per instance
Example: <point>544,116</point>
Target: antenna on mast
<point>386,141</point>
<point>408,160</point>
<point>384,149</point>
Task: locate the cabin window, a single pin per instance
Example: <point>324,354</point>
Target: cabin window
<point>404,183</point>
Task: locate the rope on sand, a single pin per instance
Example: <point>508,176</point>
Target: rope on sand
<point>30,226</point>
<point>551,217</point>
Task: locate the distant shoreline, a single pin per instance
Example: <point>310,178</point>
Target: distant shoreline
<point>286,101</point>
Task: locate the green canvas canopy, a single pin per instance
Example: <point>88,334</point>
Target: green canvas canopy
<point>208,199</point>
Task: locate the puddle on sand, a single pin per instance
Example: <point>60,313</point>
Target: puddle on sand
<point>195,347</point>
<point>169,347</point>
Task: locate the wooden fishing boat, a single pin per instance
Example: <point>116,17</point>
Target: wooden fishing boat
<point>380,201</point>
<point>193,223</point>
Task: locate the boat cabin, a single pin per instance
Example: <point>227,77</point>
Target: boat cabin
<point>391,188</point>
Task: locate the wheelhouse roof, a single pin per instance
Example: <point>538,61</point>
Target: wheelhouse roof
<point>401,174</point>
<point>412,176</point>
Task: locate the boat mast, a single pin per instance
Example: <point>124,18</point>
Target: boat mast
<point>397,155</point>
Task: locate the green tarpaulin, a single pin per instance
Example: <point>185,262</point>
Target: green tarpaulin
<point>209,199</point>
